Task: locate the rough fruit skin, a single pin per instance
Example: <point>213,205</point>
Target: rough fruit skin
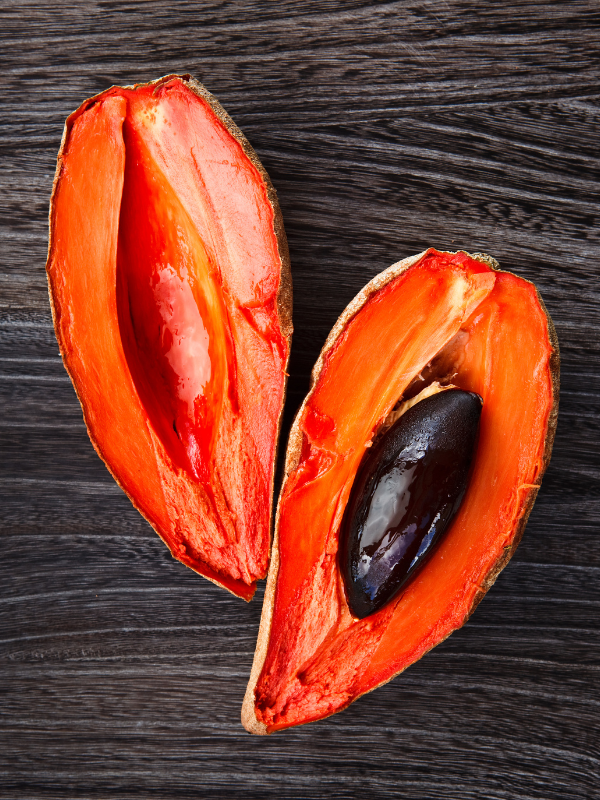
<point>170,289</point>
<point>490,331</point>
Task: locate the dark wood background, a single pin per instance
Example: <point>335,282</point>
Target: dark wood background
<point>386,128</point>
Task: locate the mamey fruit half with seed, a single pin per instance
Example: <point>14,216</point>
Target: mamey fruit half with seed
<point>171,294</point>
<point>411,469</point>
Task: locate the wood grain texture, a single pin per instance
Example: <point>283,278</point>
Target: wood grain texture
<point>386,128</point>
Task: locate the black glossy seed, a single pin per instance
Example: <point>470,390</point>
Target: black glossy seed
<point>406,493</point>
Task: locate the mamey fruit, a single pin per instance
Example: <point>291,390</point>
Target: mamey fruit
<point>431,321</point>
<point>171,294</point>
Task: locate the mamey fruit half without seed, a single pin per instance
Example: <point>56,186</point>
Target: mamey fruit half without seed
<point>431,325</point>
<point>171,294</point>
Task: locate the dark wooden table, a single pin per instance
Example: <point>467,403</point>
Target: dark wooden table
<point>386,128</point>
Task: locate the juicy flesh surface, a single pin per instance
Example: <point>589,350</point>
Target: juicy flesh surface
<point>171,314</point>
<point>164,273</point>
<point>492,330</point>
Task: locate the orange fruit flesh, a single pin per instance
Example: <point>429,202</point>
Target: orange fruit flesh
<point>172,318</point>
<point>164,271</point>
<point>493,334</point>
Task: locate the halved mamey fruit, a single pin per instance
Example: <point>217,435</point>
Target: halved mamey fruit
<point>430,322</point>
<point>171,294</point>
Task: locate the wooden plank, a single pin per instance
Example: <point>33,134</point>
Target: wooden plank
<point>386,128</point>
